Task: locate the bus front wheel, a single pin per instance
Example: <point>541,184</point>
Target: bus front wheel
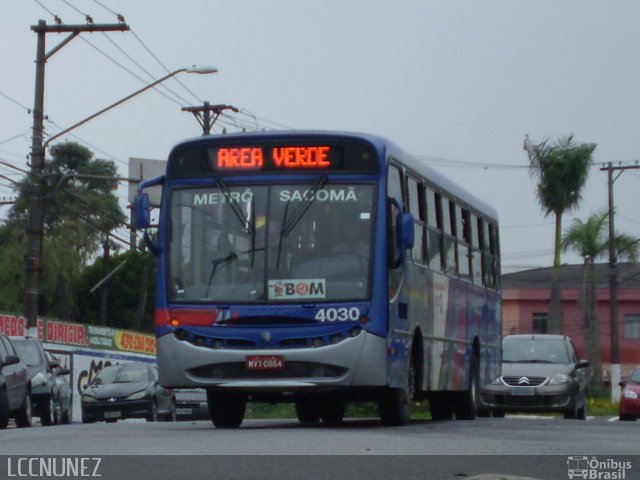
<point>226,409</point>
<point>308,410</point>
<point>396,404</point>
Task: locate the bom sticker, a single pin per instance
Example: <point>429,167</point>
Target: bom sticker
<point>294,289</point>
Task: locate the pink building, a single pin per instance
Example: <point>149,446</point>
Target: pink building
<point>525,305</point>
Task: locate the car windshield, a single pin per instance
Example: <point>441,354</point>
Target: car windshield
<point>297,242</point>
<point>28,352</point>
<point>635,376</point>
<point>121,374</point>
<point>534,350</point>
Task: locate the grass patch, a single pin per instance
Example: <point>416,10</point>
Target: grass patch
<point>602,407</point>
<point>597,406</point>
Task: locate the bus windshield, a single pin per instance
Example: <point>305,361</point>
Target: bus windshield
<point>271,243</point>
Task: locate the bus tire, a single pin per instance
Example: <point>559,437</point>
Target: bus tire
<point>226,409</point>
<point>467,405</point>
<point>332,411</point>
<point>396,404</point>
<point>307,411</point>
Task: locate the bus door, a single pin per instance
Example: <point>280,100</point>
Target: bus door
<point>400,237</point>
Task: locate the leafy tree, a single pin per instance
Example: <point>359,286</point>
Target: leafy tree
<point>79,208</point>
<point>561,170</point>
<point>124,291</point>
<point>80,205</point>
<point>591,240</point>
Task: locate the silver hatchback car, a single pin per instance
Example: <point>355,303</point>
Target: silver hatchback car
<point>540,373</point>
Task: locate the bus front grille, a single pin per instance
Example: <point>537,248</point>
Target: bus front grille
<point>291,370</point>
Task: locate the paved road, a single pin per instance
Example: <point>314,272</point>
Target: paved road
<point>526,446</point>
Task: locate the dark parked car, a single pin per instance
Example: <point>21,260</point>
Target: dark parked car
<point>630,397</point>
<point>44,385</point>
<point>191,404</point>
<point>63,400</point>
<point>540,373</point>
<point>128,390</point>
<point>15,400</point>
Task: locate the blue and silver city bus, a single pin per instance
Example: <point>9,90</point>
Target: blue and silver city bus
<point>322,268</point>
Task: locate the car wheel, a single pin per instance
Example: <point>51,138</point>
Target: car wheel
<point>4,410</point>
<point>627,418</point>
<point>47,415</point>
<point>581,413</point>
<point>226,409</point>
<point>23,417</point>
<point>572,412</point>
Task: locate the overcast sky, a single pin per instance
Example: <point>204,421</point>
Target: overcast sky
<point>459,83</point>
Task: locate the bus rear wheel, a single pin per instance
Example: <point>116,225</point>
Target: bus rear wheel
<point>332,411</point>
<point>226,409</point>
<point>466,407</point>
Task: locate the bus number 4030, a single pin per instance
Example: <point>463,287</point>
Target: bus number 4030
<point>338,314</point>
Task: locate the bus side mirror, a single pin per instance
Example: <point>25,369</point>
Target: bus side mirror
<point>406,235</point>
<point>142,211</point>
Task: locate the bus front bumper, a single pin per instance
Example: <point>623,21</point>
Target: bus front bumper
<point>356,361</point>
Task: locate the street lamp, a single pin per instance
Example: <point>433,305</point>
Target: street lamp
<point>33,257</point>
<point>193,69</point>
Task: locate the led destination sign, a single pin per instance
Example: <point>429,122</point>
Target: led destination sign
<point>276,158</point>
<point>272,157</point>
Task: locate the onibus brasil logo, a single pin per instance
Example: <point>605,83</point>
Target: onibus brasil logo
<point>593,468</point>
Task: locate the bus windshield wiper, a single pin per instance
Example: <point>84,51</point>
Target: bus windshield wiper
<point>246,225</point>
<point>217,262</point>
<point>288,224</point>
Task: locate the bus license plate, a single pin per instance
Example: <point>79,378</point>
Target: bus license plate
<point>523,392</point>
<point>265,362</point>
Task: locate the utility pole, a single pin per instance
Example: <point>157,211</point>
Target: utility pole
<point>104,291</point>
<point>34,228</point>
<point>204,117</point>
<point>613,280</point>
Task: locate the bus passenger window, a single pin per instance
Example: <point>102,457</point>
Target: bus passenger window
<point>394,187</point>
<point>394,253</point>
<point>488,260</point>
<point>476,253</point>
<point>462,233</point>
<point>449,243</point>
<point>417,209</point>
<point>434,240</point>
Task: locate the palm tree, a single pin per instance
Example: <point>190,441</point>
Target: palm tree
<point>561,170</point>
<point>591,240</point>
